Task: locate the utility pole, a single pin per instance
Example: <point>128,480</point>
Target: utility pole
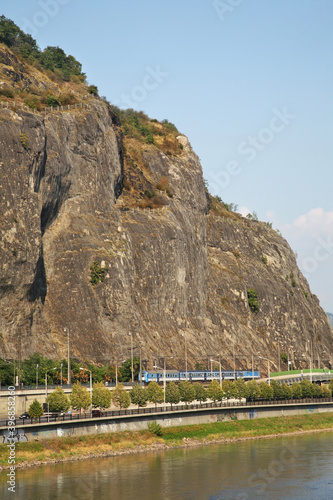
<point>68,357</point>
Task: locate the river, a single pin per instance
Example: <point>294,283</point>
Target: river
<point>299,467</point>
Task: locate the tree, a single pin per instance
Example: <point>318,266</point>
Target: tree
<point>101,396</point>
<point>126,369</point>
<point>186,391</point>
<point>214,391</point>
<point>200,392</point>
<point>227,387</point>
<point>330,385</point>
<point>265,391</point>
<point>6,372</point>
<point>307,388</point>
<point>296,390</point>
<point>325,391</point>
<point>58,400</point>
<point>120,397</point>
<point>80,397</point>
<point>277,389</point>
<point>139,395</point>
<point>172,395</point>
<point>286,391</point>
<point>252,390</point>
<point>35,410</point>
<point>240,388</point>
<point>316,391</point>
<point>155,393</point>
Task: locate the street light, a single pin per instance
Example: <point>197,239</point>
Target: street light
<point>164,374</point>
<point>233,340</point>
<point>269,373</point>
<point>278,341</point>
<point>86,369</point>
<point>219,362</point>
<point>184,335</point>
<point>303,355</point>
<point>68,356</point>
<point>132,355</point>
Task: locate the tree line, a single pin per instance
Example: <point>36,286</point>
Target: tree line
<point>36,366</point>
<point>185,392</point>
<point>51,58</point>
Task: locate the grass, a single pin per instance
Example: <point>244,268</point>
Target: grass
<point>294,372</point>
<point>112,443</point>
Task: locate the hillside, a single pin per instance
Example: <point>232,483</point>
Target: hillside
<point>330,317</point>
<point>107,228</point>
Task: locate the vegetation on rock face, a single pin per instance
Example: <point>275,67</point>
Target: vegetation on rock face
<point>252,298</point>
<point>97,273</point>
<point>51,58</point>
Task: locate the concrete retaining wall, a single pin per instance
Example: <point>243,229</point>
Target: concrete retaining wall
<point>140,422</point>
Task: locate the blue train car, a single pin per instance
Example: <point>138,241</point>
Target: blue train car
<point>195,375</point>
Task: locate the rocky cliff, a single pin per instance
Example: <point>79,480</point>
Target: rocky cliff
<point>80,192</point>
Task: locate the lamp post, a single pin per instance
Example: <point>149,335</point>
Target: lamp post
<point>164,374</point>
<point>233,343</point>
<point>184,335</point>
<point>269,373</point>
<point>278,341</point>
<point>87,369</point>
<point>219,362</point>
<point>48,406</point>
<point>61,374</point>
<point>130,334</point>
<point>303,355</point>
<point>68,357</point>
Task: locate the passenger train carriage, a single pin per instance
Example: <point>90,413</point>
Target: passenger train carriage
<point>195,375</point>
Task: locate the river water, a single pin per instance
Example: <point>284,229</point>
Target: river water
<point>299,467</point>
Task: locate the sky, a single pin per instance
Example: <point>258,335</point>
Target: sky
<point>248,81</point>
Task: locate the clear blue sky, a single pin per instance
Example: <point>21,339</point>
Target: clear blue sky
<point>249,82</point>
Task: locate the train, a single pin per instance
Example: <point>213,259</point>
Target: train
<point>147,376</point>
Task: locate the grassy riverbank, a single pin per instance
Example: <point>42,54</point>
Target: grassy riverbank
<point>109,444</point>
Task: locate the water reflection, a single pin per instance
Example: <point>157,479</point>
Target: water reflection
<point>279,469</point>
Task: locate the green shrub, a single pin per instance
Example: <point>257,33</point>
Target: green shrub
<point>24,141</point>
<point>33,103</point>
<point>264,259</point>
<point>97,273</point>
<point>93,90</point>
<point>7,92</point>
<point>155,428</point>
<point>252,296</point>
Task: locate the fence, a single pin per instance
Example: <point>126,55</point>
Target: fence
<point>176,408</point>
<point>19,105</point>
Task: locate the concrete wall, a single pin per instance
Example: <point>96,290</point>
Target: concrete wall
<point>140,422</point>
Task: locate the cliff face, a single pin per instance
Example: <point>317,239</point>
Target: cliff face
<point>175,275</point>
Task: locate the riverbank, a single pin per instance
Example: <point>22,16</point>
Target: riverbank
<point>34,453</point>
